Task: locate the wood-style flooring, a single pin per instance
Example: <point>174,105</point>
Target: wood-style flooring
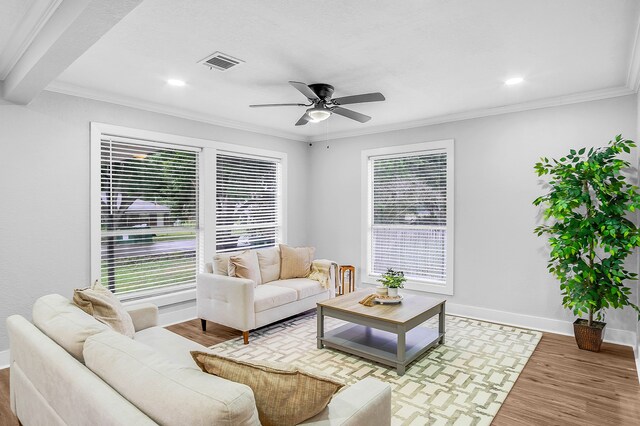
<point>560,385</point>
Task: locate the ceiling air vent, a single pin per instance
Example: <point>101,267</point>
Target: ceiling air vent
<point>220,61</point>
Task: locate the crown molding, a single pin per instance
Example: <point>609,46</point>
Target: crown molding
<point>593,95</point>
<point>633,76</point>
<point>83,92</point>
<point>30,25</point>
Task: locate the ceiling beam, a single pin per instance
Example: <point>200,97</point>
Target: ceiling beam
<point>633,76</point>
<point>71,30</point>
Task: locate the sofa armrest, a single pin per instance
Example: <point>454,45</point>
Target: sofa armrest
<point>226,300</point>
<point>143,315</point>
<point>367,402</point>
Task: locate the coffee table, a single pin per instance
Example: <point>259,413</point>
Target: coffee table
<point>388,334</point>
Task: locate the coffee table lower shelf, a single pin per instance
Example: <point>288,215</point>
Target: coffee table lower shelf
<point>379,345</point>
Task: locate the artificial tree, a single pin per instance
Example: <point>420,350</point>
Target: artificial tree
<point>587,213</point>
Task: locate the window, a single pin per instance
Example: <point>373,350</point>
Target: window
<point>152,194</point>
<point>149,215</point>
<point>409,212</point>
<point>248,202</point>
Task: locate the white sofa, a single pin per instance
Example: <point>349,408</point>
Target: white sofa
<point>242,304</point>
<point>69,369</point>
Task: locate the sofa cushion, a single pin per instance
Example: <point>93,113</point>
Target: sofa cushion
<point>170,344</point>
<point>65,323</point>
<point>295,262</point>
<point>165,391</point>
<point>284,395</point>
<point>269,296</point>
<point>269,261</point>
<point>104,306</point>
<point>246,266</point>
<point>303,286</point>
<point>221,264</point>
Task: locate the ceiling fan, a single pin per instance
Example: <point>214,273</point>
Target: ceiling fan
<point>322,105</point>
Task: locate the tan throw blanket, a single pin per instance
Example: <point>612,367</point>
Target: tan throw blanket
<point>321,272</point>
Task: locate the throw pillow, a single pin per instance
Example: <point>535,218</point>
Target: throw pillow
<point>104,306</point>
<point>269,262</point>
<point>221,264</point>
<point>284,395</point>
<point>246,266</point>
<point>295,262</point>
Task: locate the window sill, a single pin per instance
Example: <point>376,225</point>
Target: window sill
<point>165,299</point>
<point>424,287</point>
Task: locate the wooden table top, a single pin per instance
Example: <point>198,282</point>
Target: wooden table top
<point>411,306</point>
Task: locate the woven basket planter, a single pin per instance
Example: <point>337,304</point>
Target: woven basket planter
<point>589,338</point>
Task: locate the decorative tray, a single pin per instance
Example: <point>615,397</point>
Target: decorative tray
<point>388,300</point>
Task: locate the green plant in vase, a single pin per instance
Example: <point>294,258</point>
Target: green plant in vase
<point>586,214</point>
<point>392,280</point>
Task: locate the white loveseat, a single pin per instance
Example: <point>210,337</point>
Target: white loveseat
<point>69,369</point>
<point>244,305</point>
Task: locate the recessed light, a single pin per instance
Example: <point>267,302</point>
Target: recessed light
<point>514,80</point>
<point>176,82</point>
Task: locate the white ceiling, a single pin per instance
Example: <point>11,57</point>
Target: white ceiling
<point>429,58</point>
<point>12,11</point>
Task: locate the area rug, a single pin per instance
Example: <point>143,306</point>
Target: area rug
<point>463,382</point>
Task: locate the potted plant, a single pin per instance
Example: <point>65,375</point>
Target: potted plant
<point>393,280</point>
<point>590,235</point>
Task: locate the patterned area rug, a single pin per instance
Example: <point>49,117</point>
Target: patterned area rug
<point>463,382</point>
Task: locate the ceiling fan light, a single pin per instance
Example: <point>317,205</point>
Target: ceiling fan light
<point>318,114</point>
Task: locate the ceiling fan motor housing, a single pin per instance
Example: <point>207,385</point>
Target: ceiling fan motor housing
<point>323,90</point>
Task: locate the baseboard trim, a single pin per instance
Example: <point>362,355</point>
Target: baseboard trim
<point>5,359</point>
<point>174,317</point>
<point>612,335</point>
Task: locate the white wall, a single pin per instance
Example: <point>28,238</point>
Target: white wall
<point>44,188</point>
<point>499,263</point>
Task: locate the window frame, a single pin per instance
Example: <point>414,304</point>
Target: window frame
<point>446,146</point>
<point>207,203</point>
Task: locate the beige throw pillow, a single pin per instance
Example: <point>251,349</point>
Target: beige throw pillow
<point>221,264</point>
<point>246,266</point>
<point>104,306</point>
<point>269,262</point>
<point>284,395</point>
<point>295,262</point>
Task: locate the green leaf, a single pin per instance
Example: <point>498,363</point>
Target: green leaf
<point>586,212</point>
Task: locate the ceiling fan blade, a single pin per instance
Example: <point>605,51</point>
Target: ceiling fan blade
<point>274,105</point>
<point>358,99</point>
<point>303,120</point>
<point>351,114</point>
<point>305,90</point>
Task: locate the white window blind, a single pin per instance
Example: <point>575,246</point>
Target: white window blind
<point>409,215</point>
<point>248,199</point>
<point>149,216</point>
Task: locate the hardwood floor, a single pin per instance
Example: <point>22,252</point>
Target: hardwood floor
<point>215,333</point>
<point>560,385</point>
<point>563,385</point>
<point>6,416</point>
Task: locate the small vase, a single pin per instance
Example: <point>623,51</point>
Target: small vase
<point>392,291</point>
<point>381,291</point>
